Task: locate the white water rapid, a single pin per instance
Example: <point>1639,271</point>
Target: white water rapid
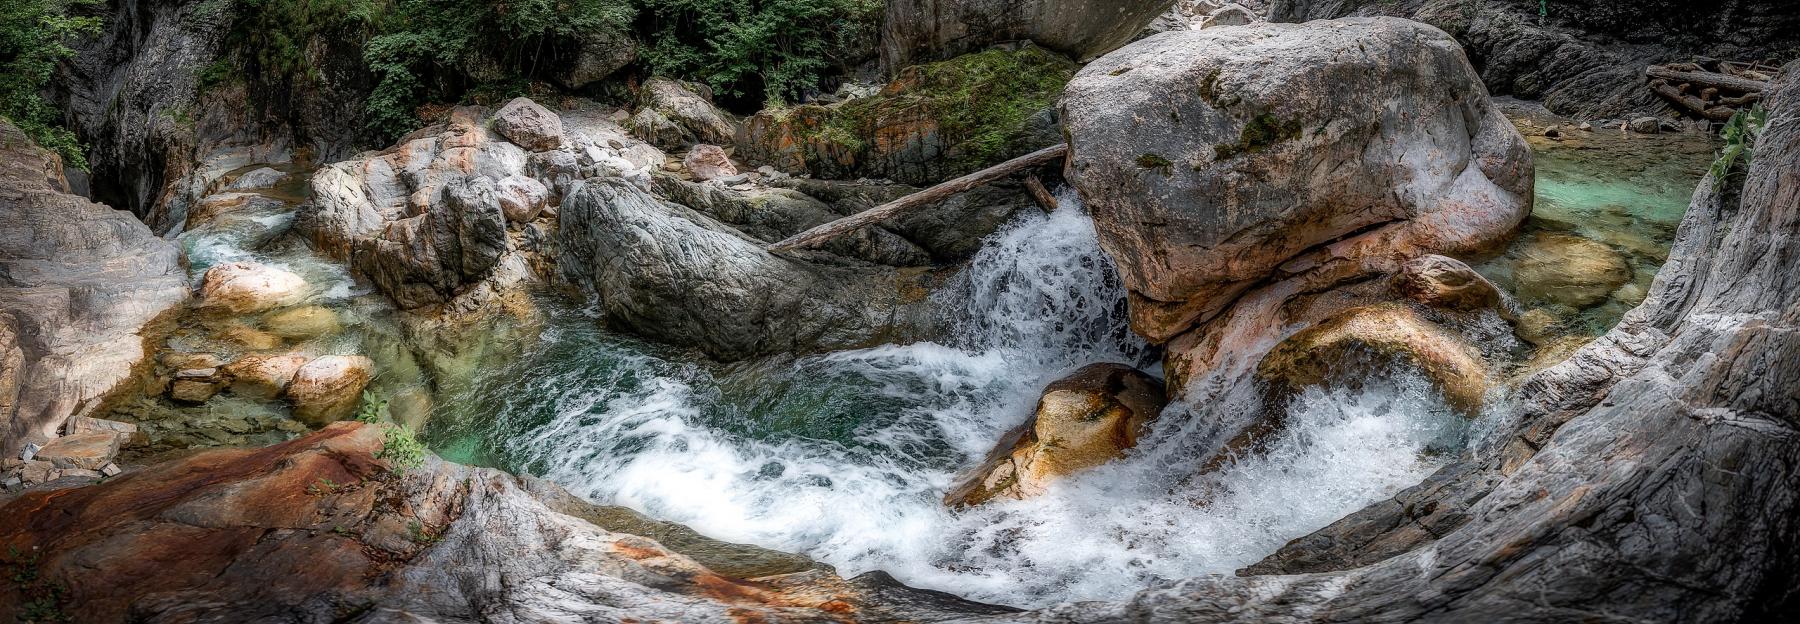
<point>845,457</point>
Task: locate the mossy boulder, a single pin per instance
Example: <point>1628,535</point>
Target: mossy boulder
<point>933,122</point>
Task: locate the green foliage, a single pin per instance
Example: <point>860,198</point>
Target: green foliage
<point>322,487</point>
<point>982,104</point>
<point>781,48</point>
<point>373,410</point>
<point>33,37</point>
<point>1740,134</point>
<point>433,45</point>
<point>272,36</point>
<point>401,448</point>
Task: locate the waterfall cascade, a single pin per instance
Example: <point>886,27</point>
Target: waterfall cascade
<point>845,457</point>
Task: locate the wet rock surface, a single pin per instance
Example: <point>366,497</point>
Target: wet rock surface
<point>1084,420</point>
<point>320,526</point>
<point>1335,350</point>
<point>1590,505</point>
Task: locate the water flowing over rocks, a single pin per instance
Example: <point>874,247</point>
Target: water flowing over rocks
<point>319,527</point>
<point>1609,494</point>
<point>1334,348</point>
<point>1084,420</point>
<point>78,283</point>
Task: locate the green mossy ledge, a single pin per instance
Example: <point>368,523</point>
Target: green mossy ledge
<point>933,122</point>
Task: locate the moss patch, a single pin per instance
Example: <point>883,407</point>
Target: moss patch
<point>1262,131</point>
<point>980,106</point>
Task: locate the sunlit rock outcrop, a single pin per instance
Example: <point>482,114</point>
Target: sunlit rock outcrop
<point>78,283</point>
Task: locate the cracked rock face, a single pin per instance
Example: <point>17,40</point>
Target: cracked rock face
<point>1217,160</point>
<point>78,283</point>
<point>665,271</point>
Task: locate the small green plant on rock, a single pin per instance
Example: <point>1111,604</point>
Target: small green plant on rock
<point>1740,134</point>
<point>373,410</point>
<point>401,448</point>
<point>42,598</point>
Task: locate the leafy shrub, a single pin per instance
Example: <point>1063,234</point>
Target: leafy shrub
<point>32,39</point>
<point>433,45</point>
<point>780,48</point>
<point>373,410</point>
<point>401,448</point>
<point>1740,134</point>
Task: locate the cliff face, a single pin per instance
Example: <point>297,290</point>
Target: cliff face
<point>78,281</point>
<point>1587,59</point>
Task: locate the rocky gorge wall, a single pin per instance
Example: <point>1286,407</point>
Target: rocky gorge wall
<point>1587,59</point>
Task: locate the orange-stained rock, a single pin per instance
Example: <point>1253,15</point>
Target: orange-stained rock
<point>328,388</point>
<point>1081,421</point>
<point>249,287</point>
<point>1389,330</point>
<point>263,376</point>
<point>87,451</point>
<point>308,529</point>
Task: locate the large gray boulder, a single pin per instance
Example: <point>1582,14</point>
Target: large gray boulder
<point>917,31</point>
<point>426,220</point>
<point>673,114</point>
<point>432,257</point>
<point>1214,160</point>
<point>78,283</point>
<point>671,274</point>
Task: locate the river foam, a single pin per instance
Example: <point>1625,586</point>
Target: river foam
<point>845,457</point>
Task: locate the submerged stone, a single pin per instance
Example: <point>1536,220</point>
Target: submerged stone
<point>328,388</point>
<point>1568,270</point>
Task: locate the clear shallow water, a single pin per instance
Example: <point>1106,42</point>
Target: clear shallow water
<point>1625,191</point>
<point>845,457</point>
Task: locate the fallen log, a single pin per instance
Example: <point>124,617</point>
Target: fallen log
<point>1693,104</point>
<point>926,197</point>
<point>1043,195</point>
<point>1708,79</point>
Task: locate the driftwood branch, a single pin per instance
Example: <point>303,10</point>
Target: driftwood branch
<point>1043,195</point>
<point>1723,82</point>
<point>928,196</point>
